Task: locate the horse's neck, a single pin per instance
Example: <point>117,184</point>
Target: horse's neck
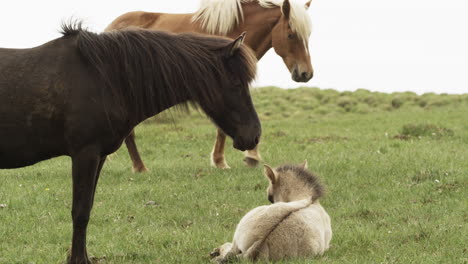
<point>147,109</point>
<point>258,23</point>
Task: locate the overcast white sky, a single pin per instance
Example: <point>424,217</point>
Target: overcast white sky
<point>388,46</point>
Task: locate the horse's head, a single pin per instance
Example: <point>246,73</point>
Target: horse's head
<point>234,111</point>
<point>292,183</point>
<point>290,39</point>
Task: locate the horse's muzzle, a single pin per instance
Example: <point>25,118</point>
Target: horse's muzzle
<point>242,144</point>
<point>302,76</point>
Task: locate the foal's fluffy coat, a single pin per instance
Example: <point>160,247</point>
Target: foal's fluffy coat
<point>294,226</point>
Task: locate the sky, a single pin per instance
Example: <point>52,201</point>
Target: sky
<point>386,46</point>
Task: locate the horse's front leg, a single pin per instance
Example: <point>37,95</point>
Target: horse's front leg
<point>217,155</point>
<point>138,165</point>
<point>85,172</point>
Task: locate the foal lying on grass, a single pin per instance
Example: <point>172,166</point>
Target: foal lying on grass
<point>294,226</point>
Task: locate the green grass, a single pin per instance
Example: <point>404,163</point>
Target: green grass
<point>392,199</point>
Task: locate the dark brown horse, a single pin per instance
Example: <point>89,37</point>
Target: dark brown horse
<point>82,94</point>
<point>283,25</point>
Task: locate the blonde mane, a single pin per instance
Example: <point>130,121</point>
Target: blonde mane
<point>221,16</point>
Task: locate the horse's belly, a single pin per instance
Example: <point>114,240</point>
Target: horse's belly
<point>25,148</point>
<point>22,156</point>
<point>12,161</point>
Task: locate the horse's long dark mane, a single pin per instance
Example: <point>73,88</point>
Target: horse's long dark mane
<point>307,177</point>
<point>148,69</point>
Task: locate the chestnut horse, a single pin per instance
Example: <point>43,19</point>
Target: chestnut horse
<point>280,24</point>
<point>82,94</point>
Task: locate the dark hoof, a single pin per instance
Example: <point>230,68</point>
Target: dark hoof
<point>84,261</point>
<point>77,260</point>
<point>251,162</point>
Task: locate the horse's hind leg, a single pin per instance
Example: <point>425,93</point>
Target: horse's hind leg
<point>85,172</point>
<point>138,165</point>
<point>252,157</point>
<point>217,155</point>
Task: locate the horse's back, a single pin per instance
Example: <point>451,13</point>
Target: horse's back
<point>19,68</point>
<point>132,19</point>
<point>177,23</point>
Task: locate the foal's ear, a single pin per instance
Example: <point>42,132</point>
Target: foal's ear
<point>304,165</point>
<point>286,9</point>
<point>307,5</point>
<point>235,45</point>
<point>270,174</point>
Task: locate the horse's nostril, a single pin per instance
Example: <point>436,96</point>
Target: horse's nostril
<point>304,75</point>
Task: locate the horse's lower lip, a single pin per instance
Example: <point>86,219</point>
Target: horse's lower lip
<point>244,147</point>
<point>239,147</point>
<point>297,78</point>
<point>304,77</point>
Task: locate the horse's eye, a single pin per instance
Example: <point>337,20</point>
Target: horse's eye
<point>290,36</point>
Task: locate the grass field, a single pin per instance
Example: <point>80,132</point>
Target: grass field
<point>395,167</point>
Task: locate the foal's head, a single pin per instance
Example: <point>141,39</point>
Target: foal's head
<point>290,39</point>
<point>291,183</point>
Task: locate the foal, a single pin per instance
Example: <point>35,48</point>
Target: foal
<point>294,226</point>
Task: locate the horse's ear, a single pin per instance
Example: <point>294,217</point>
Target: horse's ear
<point>307,5</point>
<point>304,165</point>
<point>235,45</point>
<point>270,174</point>
<point>286,9</point>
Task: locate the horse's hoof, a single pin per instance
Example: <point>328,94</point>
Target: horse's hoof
<point>251,162</point>
<point>140,169</point>
<point>219,164</point>
<point>223,166</point>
